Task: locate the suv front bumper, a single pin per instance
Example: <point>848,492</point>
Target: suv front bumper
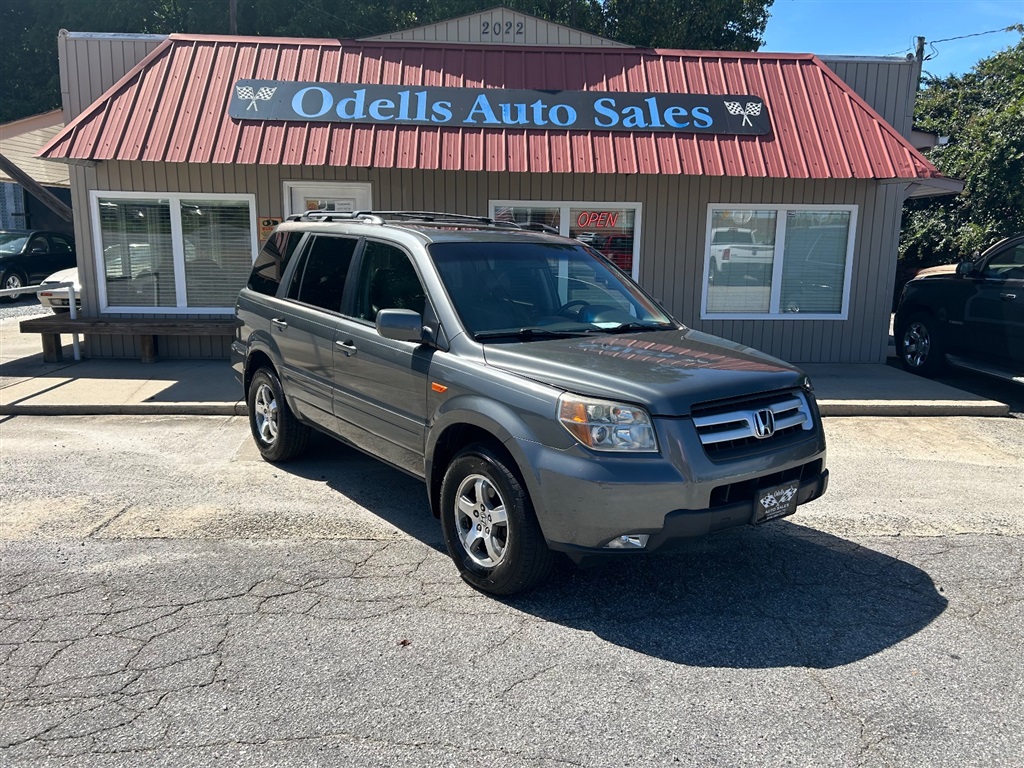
<point>584,501</point>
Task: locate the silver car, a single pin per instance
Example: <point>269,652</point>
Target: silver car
<point>548,403</point>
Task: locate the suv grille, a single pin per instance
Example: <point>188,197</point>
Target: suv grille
<point>733,429</point>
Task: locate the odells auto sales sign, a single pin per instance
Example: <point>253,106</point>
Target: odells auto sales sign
<point>498,108</point>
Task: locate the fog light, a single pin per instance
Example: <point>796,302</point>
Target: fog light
<point>636,541</point>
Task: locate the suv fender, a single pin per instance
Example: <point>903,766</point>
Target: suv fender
<point>467,419</point>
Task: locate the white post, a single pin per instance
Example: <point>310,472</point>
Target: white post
<point>72,301</point>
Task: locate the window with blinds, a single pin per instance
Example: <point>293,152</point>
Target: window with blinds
<point>766,262</point>
<point>173,252</point>
<point>218,250</point>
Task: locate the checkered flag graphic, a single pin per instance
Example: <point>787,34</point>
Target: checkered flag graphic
<point>250,94</point>
<point>752,109</point>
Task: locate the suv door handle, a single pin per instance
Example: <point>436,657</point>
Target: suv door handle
<point>1007,296</point>
<point>347,347</point>
<point>281,325</point>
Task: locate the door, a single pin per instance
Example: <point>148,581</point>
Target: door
<point>301,196</point>
<point>381,385</point>
<point>994,315</point>
<point>305,326</point>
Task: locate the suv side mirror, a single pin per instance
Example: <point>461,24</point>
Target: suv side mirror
<point>400,325</point>
<point>38,249</point>
<point>965,268</point>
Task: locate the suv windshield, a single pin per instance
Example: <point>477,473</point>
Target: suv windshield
<point>534,290</point>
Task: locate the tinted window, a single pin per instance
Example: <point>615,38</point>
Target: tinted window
<point>498,286</point>
<point>387,280</point>
<point>322,279</point>
<point>38,244</point>
<point>1007,265</point>
<point>272,261</point>
<point>61,244</point>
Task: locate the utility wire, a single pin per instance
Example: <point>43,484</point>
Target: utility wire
<point>908,49</point>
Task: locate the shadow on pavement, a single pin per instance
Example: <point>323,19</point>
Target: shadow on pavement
<point>775,596</point>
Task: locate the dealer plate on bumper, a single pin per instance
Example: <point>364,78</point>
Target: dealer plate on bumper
<point>777,501</point>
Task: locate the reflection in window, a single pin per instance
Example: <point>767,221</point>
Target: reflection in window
<point>529,214</point>
<point>175,251</point>
<point>138,256</point>
<point>608,230</point>
<point>741,261</point>
<point>784,262</point>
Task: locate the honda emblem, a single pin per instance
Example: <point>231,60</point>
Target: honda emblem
<point>764,423</point>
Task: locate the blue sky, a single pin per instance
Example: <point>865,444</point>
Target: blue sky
<point>890,27</point>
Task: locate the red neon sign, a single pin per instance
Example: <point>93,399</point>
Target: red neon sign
<point>591,219</point>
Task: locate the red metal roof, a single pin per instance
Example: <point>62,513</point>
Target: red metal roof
<point>173,107</point>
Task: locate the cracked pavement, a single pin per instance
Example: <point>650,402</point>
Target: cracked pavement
<point>167,598</point>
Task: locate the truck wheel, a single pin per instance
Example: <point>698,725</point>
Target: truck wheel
<point>12,280</point>
<point>489,524</point>
<point>278,434</point>
<point>919,345</point>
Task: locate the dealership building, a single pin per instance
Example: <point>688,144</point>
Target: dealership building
<point>758,196</point>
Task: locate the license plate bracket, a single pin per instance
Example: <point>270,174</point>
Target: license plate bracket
<point>776,501</point>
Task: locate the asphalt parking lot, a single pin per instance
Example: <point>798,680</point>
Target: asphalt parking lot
<point>170,599</point>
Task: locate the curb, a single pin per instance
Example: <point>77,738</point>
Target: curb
<point>912,408</point>
<point>127,409</point>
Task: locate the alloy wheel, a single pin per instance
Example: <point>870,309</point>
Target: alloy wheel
<point>265,406</point>
<point>481,521</point>
<point>917,343</point>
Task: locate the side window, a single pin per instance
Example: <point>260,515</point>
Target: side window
<point>60,244</point>
<point>322,279</point>
<point>387,280</point>
<point>38,244</point>
<point>1006,265</point>
<point>272,261</point>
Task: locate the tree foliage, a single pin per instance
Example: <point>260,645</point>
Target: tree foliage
<point>982,113</point>
<point>28,28</point>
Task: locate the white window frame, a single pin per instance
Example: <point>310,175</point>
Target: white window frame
<point>781,211</point>
<point>563,217</point>
<point>177,245</point>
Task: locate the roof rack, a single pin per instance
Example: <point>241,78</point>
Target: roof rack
<point>438,217</point>
<point>363,216</point>
<point>422,217</point>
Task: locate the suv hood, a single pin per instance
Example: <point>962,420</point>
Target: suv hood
<point>665,371</point>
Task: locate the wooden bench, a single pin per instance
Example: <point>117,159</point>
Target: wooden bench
<point>52,326</point>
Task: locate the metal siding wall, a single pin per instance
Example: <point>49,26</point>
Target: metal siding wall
<point>673,221</point>
<point>887,86</point>
<point>91,65</point>
<point>469,30</point>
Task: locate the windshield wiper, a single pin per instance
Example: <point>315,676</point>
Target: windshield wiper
<point>636,325</point>
<point>535,333</point>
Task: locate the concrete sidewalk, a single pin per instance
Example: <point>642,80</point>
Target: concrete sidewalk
<point>28,386</point>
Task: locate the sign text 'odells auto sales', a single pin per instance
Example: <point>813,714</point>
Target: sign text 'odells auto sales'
<point>498,108</point>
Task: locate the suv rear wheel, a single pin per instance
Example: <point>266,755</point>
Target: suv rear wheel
<point>489,524</point>
<point>919,346</point>
<point>278,434</point>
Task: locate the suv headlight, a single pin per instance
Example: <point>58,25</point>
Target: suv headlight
<point>607,426</point>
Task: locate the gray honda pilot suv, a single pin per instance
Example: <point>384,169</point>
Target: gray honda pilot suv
<point>548,402</point>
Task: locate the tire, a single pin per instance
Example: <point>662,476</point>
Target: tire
<point>278,434</point>
<point>494,555</point>
<point>919,345</point>
<point>13,279</point>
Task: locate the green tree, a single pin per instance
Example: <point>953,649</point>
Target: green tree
<point>708,25</point>
<point>982,113</point>
<point>28,28</point>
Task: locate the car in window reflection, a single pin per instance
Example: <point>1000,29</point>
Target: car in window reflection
<point>28,256</point>
<point>736,256</point>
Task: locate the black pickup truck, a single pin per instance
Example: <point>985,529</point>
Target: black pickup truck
<point>972,318</point>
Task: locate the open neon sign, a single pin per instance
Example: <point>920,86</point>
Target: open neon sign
<point>597,219</point>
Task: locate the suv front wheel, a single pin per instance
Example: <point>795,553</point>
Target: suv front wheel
<point>919,346</point>
<point>278,434</point>
<point>489,524</point>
